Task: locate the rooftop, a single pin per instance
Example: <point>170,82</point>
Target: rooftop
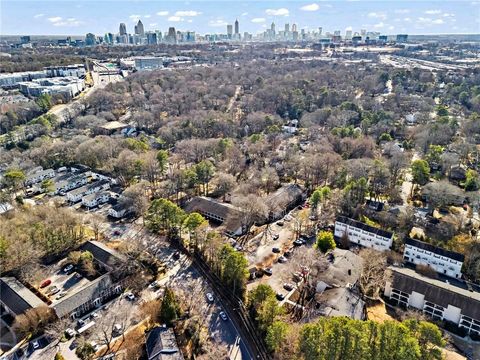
<point>363,226</point>
<point>17,296</point>
<point>162,344</point>
<point>437,291</point>
<point>435,249</point>
<point>114,125</point>
<point>341,302</point>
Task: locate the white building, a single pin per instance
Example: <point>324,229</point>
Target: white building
<point>69,182</point>
<point>118,211</point>
<point>363,234</point>
<point>77,194</point>
<point>148,62</point>
<point>39,176</point>
<point>438,299</point>
<point>442,261</point>
<point>95,199</point>
<point>68,86</point>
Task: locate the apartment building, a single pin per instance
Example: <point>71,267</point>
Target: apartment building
<point>362,234</point>
<point>445,262</point>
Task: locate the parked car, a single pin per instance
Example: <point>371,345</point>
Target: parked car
<point>276,250</point>
<point>282,259</point>
<point>129,296</point>
<point>94,315</point>
<point>69,333</point>
<point>73,345</point>
<point>61,295</point>
<point>288,287</point>
<point>209,297</point>
<point>35,344</point>
<point>223,316</point>
<point>280,296</point>
<point>288,218</point>
<point>68,268</point>
<point>275,236</point>
<point>280,223</point>
<point>154,285</point>
<point>268,271</point>
<point>53,290</point>
<point>45,283</point>
<point>81,322</point>
<point>287,253</point>
<point>176,255</point>
<point>298,242</point>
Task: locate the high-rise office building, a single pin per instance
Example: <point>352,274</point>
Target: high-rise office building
<point>139,30</point>
<point>152,38</point>
<point>90,39</point>
<point>171,38</point>
<point>287,27</point>
<point>294,27</point>
<point>25,39</point>
<point>348,35</point>
<point>320,30</point>
<point>229,31</point>
<point>272,28</point>
<point>123,29</point>
<point>237,27</point>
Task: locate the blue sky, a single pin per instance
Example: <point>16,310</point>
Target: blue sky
<point>77,17</point>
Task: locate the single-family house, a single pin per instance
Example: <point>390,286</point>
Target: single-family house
<point>161,344</point>
<point>118,211</point>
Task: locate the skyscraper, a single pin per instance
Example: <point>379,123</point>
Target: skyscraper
<point>287,27</point>
<point>294,27</point>
<point>90,39</point>
<point>139,30</point>
<point>172,36</point>
<point>237,29</point>
<point>272,27</point>
<point>123,29</point>
<point>229,31</point>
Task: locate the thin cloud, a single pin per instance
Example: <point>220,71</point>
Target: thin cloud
<point>175,18</point>
<point>188,13</point>
<point>54,19</point>
<point>380,25</point>
<point>433,12</point>
<point>377,15</point>
<point>38,16</point>
<point>59,21</point>
<point>277,12</point>
<point>162,13</point>
<point>217,23</point>
<point>258,20</point>
<point>402,11</point>
<point>135,18</point>
<point>310,7</point>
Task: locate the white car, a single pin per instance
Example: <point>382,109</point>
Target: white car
<point>35,345</point>
<point>282,259</point>
<point>223,315</point>
<point>154,285</point>
<point>209,297</point>
<point>68,268</point>
<point>130,296</point>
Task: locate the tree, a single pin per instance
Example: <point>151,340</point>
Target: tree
<point>420,172</point>
<point>44,101</point>
<point>372,278</point>
<point>276,335</point>
<point>34,320</point>
<point>13,179</point>
<point>429,338</point>
<point>442,110</point>
<point>325,241</point>
<point>164,215</point>
<point>192,223</point>
<point>472,180</point>
<point>233,270</point>
<point>225,183</point>
<point>48,186</point>
<point>205,171</point>
<point>169,309</point>
<point>85,351</point>
<point>162,159</point>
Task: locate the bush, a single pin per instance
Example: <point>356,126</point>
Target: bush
<point>325,241</point>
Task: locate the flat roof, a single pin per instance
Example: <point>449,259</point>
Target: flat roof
<point>112,125</point>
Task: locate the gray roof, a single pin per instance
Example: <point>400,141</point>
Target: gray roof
<point>87,293</point>
<point>341,302</point>
<point>102,253</point>
<point>34,175</point>
<point>337,273</point>
<point>84,188</point>
<point>161,344</point>
<point>437,291</point>
<point>96,195</point>
<point>17,297</point>
<point>281,199</point>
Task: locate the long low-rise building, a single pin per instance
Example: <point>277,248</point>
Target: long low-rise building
<point>363,234</point>
<point>95,199</point>
<point>442,261</point>
<point>77,194</point>
<point>439,299</point>
<point>16,298</point>
<point>69,86</point>
<point>39,176</point>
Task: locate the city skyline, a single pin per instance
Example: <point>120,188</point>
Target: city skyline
<point>208,17</point>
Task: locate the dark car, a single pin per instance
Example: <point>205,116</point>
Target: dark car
<point>276,250</point>
<point>268,271</point>
<point>176,255</point>
<point>298,242</point>
<point>288,287</point>
<point>275,236</point>
<point>280,296</point>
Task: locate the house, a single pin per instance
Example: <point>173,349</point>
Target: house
<point>95,199</point>
<point>227,215</point>
<point>444,262</point>
<point>5,207</point>
<point>435,297</point>
<point>363,234</point>
<point>375,205</point>
<point>161,344</point>
<point>96,186</point>
<point>16,298</point>
<point>112,127</point>
<point>118,211</point>
<point>336,290</point>
<point>39,176</point>
<point>283,200</point>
